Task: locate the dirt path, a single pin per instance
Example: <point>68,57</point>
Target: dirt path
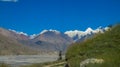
<point>60,63</point>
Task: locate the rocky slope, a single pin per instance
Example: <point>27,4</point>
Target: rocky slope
<point>53,40</point>
<point>10,46</point>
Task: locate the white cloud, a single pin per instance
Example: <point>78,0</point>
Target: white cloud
<point>9,0</point>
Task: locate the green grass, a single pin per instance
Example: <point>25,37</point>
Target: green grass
<point>104,46</point>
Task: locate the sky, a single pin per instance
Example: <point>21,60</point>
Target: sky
<point>33,16</point>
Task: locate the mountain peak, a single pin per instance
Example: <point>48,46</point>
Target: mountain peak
<point>89,30</point>
<point>73,33</point>
<point>55,31</point>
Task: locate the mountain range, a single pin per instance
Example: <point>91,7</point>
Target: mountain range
<point>47,40</point>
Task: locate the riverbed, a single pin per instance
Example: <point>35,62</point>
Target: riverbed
<point>19,60</point>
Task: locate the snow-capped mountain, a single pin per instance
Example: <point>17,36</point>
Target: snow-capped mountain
<point>51,39</point>
<point>18,35</point>
<point>76,34</point>
<point>13,34</point>
<point>17,32</point>
<point>55,31</point>
<point>42,32</point>
<point>46,40</point>
<point>54,39</point>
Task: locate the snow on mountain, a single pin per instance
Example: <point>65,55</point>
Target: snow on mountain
<point>74,33</point>
<point>99,29</point>
<point>17,32</point>
<point>107,28</point>
<point>77,34</point>
<point>33,36</point>
<point>88,31</point>
<point>44,31</point>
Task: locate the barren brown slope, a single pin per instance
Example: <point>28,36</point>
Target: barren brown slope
<point>9,46</point>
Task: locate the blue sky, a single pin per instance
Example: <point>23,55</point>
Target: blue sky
<point>33,16</point>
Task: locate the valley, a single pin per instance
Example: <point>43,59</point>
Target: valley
<point>18,48</point>
<point>59,33</point>
<point>16,61</point>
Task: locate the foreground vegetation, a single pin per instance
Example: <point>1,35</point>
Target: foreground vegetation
<point>105,46</point>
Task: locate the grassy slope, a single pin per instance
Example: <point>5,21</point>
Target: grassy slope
<point>12,47</point>
<point>104,46</point>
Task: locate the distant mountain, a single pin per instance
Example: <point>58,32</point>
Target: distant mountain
<point>46,41</point>
<point>49,40</point>
<point>13,34</point>
<point>78,36</point>
<point>57,40</point>
<point>10,46</point>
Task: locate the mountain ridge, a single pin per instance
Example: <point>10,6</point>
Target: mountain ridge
<point>49,40</point>
<point>70,33</point>
<point>10,46</point>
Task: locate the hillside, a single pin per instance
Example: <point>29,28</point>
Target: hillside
<point>51,40</point>
<point>10,46</point>
<point>103,50</point>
